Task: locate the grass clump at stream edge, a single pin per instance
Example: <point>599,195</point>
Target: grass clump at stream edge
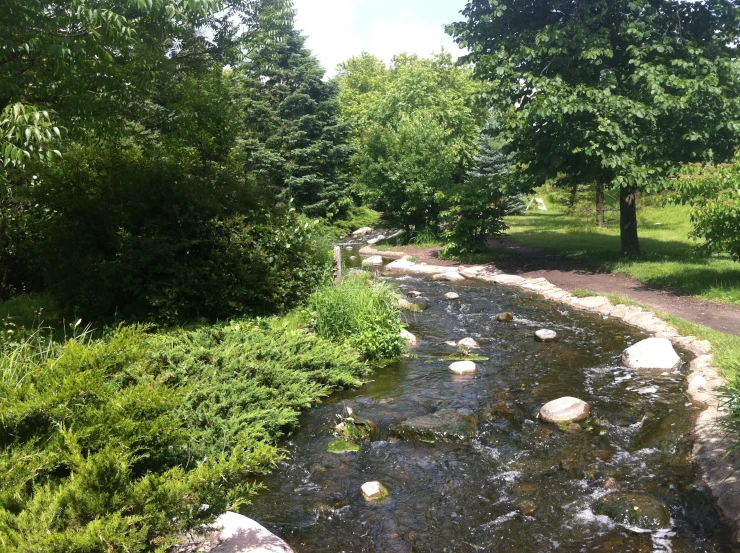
<point>123,442</point>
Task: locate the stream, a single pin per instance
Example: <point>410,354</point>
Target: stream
<point>518,484</point>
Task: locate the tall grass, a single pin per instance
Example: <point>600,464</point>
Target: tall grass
<point>362,312</point>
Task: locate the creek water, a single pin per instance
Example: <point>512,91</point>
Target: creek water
<point>519,485</point>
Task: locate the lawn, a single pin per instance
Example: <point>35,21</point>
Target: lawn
<point>669,257</point>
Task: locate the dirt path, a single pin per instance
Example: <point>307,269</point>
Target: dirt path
<point>567,274</point>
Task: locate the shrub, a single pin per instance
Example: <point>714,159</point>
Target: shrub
<point>713,192</point>
<point>124,443</point>
<point>363,313</point>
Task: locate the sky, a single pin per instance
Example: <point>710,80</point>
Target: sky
<point>340,29</point>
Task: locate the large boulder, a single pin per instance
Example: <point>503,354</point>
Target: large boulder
<point>360,232</point>
<point>446,425</point>
<point>374,260</point>
<point>651,354</point>
<point>240,534</point>
<point>634,509</point>
<point>565,409</point>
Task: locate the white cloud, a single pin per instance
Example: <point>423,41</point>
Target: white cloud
<point>337,30</point>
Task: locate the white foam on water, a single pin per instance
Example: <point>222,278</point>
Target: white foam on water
<point>500,520</point>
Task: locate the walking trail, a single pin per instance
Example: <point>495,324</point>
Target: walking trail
<point>534,262</point>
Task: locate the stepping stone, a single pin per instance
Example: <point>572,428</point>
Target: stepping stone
<point>468,343</point>
<point>452,296</point>
<point>463,367</point>
<point>374,491</point>
<point>545,335</point>
<point>651,354</point>
<point>565,409</point>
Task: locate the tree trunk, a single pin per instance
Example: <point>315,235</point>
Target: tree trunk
<point>599,204</point>
<point>572,201</point>
<point>628,222</point>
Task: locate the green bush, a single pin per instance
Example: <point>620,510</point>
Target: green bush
<point>156,234</point>
<point>363,313</point>
<point>124,443</point>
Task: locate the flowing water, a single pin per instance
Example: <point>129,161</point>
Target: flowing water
<point>519,485</point>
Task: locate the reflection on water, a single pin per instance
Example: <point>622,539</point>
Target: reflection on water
<point>520,485</point>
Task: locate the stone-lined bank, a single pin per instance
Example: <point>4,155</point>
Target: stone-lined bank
<point>711,441</point>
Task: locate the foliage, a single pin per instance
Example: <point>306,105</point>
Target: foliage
<point>713,192</point>
<point>478,205</point>
<point>155,233</point>
<point>125,443</point>
<point>362,313</point>
<point>24,130</point>
<point>356,218</point>
<point>614,92</point>
<point>415,126</point>
<point>295,142</point>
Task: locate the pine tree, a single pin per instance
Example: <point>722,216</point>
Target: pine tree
<point>296,143</point>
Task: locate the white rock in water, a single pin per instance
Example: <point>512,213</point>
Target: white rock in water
<point>243,535</point>
<point>409,338</point>
<point>565,409</point>
<point>362,231</point>
<point>468,343</point>
<point>349,248</point>
<point>373,260</point>
<point>372,491</point>
<point>449,277</point>
<point>451,343</point>
<point>653,353</point>
<point>545,335</point>
<point>352,257</point>
<point>463,367</point>
<point>452,296</point>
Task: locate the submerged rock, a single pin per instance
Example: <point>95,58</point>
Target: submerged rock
<point>240,534</point>
<point>409,338</point>
<point>374,491</point>
<point>373,260</point>
<point>634,509</point>
<point>545,335</point>
<point>463,367</point>
<point>342,446</point>
<point>406,305</point>
<point>446,425</point>
<point>468,343</point>
<point>421,303</point>
<point>506,316</point>
<point>452,296</point>
<point>449,277</point>
<point>651,354</point>
<point>565,409</point>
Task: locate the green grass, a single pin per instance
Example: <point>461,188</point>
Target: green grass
<point>669,257</point>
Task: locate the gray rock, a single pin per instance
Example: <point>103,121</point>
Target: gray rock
<point>409,338</point>
<point>468,343</point>
<point>452,296</point>
<point>651,354</point>
<point>463,367</point>
<point>374,260</point>
<point>635,509</point>
<point>446,425</point>
<point>565,409</point>
<point>362,232</point>
<point>544,335</point>
<point>449,277</point>
<point>240,534</point>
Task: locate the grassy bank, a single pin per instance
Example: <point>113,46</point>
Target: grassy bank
<point>121,442</point>
<point>669,257</point>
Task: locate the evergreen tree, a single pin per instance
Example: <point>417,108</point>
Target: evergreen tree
<point>295,141</point>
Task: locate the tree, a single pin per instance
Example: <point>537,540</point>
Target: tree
<point>614,92</point>
<point>415,128</point>
<point>295,141</point>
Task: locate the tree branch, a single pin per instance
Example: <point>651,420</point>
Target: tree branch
<point>58,35</point>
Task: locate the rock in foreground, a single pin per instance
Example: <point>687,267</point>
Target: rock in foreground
<point>446,425</point>
<point>651,354</point>
<point>240,534</point>
<point>565,409</point>
<point>635,509</point>
<point>544,335</point>
<point>463,367</point>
